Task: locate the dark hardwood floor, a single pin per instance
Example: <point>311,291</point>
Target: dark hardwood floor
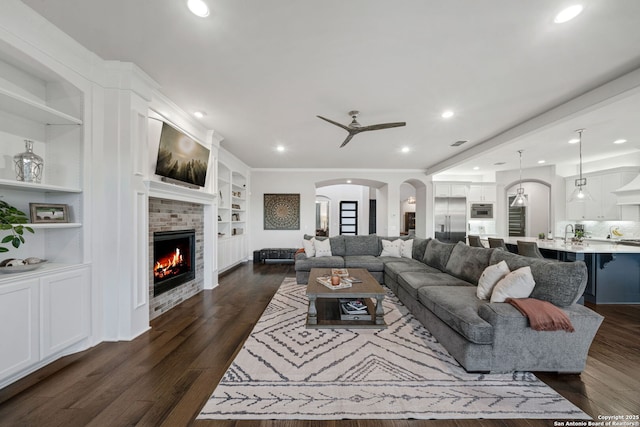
<point>164,377</point>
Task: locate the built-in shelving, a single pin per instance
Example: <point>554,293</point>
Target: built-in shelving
<point>232,217</point>
<point>21,106</point>
<point>49,307</point>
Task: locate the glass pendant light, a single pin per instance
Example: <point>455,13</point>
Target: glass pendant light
<point>580,193</point>
<point>520,200</point>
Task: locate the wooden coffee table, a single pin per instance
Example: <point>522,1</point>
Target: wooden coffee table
<point>324,308</point>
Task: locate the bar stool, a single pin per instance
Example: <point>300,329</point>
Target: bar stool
<point>495,242</point>
<point>475,241</point>
<point>529,249</point>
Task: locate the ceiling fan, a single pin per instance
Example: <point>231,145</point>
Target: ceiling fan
<point>355,128</point>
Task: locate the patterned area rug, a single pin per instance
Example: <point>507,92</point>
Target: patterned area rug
<point>285,371</point>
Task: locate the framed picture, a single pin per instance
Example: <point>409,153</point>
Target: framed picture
<point>48,213</point>
<point>282,211</point>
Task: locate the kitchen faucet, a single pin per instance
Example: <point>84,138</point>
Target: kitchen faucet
<point>565,231</point>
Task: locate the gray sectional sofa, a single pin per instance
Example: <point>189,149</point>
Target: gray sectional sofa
<point>438,285</point>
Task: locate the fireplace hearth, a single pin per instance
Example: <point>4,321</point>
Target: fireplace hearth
<point>173,259</point>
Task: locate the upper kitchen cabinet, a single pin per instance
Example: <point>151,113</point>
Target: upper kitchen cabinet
<point>450,190</point>
<point>603,206</point>
<point>482,193</point>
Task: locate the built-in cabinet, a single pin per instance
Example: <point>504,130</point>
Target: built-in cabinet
<point>603,206</point>
<point>232,217</point>
<point>482,193</point>
<point>450,190</point>
<point>44,313</point>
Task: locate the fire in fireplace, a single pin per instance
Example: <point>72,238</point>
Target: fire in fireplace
<point>173,259</point>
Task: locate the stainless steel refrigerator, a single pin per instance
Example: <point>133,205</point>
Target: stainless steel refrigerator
<point>450,215</point>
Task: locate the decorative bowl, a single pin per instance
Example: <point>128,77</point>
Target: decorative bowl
<point>22,268</point>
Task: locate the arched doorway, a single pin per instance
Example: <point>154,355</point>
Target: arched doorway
<point>533,219</point>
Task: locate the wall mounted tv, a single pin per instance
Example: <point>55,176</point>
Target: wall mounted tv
<point>180,158</point>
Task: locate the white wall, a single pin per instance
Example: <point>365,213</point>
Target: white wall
<point>346,192</point>
<point>304,182</point>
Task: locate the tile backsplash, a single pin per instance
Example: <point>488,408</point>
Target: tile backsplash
<point>601,229</point>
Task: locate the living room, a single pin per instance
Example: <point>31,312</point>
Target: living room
<point>263,138</point>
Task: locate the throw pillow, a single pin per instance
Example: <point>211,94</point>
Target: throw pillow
<point>322,247</point>
<point>391,248</point>
<point>309,247</point>
<point>489,278</point>
<point>517,284</point>
<point>406,248</point>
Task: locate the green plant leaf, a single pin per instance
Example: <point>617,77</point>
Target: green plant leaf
<point>7,239</point>
<point>3,249</point>
<point>16,242</point>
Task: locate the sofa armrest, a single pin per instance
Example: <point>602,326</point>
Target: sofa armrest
<point>516,346</point>
<point>300,255</point>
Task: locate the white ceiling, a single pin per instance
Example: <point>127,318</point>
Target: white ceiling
<point>262,71</point>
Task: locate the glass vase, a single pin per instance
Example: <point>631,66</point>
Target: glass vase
<point>28,164</point>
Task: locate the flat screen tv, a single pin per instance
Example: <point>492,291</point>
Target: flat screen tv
<point>181,158</point>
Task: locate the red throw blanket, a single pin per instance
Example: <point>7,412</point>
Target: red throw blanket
<point>543,316</point>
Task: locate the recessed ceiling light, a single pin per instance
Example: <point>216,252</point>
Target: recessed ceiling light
<point>475,168</point>
<point>198,8</point>
<point>568,14</point>
<point>280,148</point>
<point>447,114</point>
<point>199,114</point>
<point>619,141</point>
<point>574,141</point>
<point>405,149</point>
<point>348,181</point>
<point>541,161</point>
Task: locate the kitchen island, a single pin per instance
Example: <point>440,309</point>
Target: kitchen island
<point>614,268</point>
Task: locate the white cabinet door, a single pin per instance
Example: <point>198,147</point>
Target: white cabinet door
<point>482,193</point>
<point>450,190</point>
<point>19,326</point>
<point>66,300</point>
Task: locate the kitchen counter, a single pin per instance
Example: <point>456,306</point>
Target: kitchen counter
<point>588,246</point>
<point>613,268</point>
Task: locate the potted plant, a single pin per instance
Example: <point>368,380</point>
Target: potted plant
<point>12,220</point>
<point>578,236</point>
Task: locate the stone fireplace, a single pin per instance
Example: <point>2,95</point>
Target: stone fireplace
<point>181,256</point>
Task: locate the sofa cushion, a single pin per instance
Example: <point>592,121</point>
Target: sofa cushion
<point>323,262</point>
<point>309,247</point>
<point>560,283</point>
<point>361,245</point>
<point>396,266</point>
<point>322,248</point>
<point>391,248</point>
<point>419,246</point>
<point>411,281</point>
<point>437,254</point>
<point>489,278</point>
<point>458,306</point>
<point>370,262</point>
<point>517,284</point>
<point>468,263</point>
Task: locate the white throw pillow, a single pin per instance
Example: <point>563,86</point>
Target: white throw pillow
<point>517,284</point>
<point>391,248</point>
<point>309,247</point>
<point>489,277</point>
<point>322,247</point>
<point>406,250</point>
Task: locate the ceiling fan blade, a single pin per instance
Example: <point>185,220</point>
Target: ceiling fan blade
<point>335,123</point>
<point>382,126</point>
<point>346,141</point>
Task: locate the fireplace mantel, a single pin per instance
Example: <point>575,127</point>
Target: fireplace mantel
<point>163,190</point>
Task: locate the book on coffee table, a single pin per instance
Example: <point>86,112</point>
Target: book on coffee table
<point>342,272</point>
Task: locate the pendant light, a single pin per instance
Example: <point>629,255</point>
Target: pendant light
<point>520,200</point>
<point>580,193</point>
